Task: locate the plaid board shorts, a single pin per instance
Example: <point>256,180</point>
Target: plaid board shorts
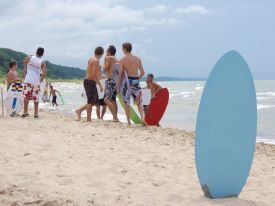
<point>31,92</point>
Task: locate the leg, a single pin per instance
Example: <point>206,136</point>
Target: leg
<point>115,111</point>
<point>127,111</point>
<point>26,106</point>
<point>103,111</point>
<point>140,109</point>
<point>89,112</point>
<point>111,108</point>
<point>98,112</point>
<point>36,104</point>
<point>79,111</point>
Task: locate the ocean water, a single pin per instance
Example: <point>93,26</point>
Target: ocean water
<point>183,105</point>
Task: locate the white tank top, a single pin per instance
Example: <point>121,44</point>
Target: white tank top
<point>34,70</point>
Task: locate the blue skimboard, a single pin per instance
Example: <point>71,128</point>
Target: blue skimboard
<point>226,128</point>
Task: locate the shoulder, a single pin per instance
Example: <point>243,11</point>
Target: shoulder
<point>123,58</point>
<point>137,58</point>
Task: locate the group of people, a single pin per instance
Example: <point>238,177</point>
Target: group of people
<point>34,73</point>
<point>114,69</point>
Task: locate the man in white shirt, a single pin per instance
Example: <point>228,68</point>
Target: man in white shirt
<point>35,67</point>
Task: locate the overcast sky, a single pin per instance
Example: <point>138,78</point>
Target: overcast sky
<point>174,38</point>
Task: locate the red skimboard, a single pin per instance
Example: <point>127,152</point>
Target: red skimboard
<point>157,108</point>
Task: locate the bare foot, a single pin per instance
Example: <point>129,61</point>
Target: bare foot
<point>129,124</point>
<point>78,114</point>
<point>115,120</point>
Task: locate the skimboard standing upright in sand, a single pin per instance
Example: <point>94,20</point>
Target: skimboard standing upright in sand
<point>91,80</point>
<point>133,67</point>
<point>35,66</point>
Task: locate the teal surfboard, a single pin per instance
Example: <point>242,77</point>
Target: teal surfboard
<point>61,98</point>
<point>226,128</point>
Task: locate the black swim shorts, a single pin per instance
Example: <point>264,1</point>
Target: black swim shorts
<point>91,92</point>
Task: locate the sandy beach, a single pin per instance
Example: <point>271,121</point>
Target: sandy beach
<point>56,161</point>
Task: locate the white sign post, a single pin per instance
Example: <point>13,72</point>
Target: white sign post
<point>2,100</point>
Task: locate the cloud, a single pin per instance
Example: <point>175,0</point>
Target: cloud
<point>192,9</point>
<point>157,9</point>
<point>70,29</point>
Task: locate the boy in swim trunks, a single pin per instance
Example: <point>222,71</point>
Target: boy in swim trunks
<point>91,80</point>
<point>111,63</point>
<point>35,66</point>
<point>133,67</point>
<point>53,93</point>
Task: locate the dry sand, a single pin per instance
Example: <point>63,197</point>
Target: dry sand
<point>56,161</point>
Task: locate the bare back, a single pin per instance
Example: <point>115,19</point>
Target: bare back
<point>93,72</point>
<point>132,65</point>
<point>110,61</point>
<point>12,76</point>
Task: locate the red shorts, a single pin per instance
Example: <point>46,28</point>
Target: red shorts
<point>31,92</point>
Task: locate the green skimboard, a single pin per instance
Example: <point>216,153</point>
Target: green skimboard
<point>133,115</point>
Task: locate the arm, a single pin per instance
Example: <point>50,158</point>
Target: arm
<point>26,60</point>
<point>24,71</point>
<point>120,74</point>
<point>44,71</point>
<point>155,90</point>
<point>9,77</point>
<point>107,64</point>
<point>141,69</point>
<point>96,74</point>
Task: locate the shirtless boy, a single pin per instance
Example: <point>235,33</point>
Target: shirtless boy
<point>53,93</point>
<point>111,63</point>
<point>12,74</point>
<point>132,65</point>
<point>153,86</point>
<point>92,78</point>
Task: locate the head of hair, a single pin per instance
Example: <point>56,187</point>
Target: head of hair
<point>51,86</point>
<point>40,51</point>
<point>127,46</point>
<point>99,51</point>
<point>150,75</point>
<point>112,50</point>
<point>12,63</point>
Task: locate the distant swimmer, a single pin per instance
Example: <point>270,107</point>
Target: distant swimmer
<point>133,67</point>
<point>53,94</point>
<point>34,67</point>
<point>12,75</point>
<point>110,92</point>
<point>91,80</point>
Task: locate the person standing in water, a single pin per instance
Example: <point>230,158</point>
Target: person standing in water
<point>111,64</point>
<point>133,67</point>
<point>35,66</point>
<point>53,93</point>
<point>92,78</point>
